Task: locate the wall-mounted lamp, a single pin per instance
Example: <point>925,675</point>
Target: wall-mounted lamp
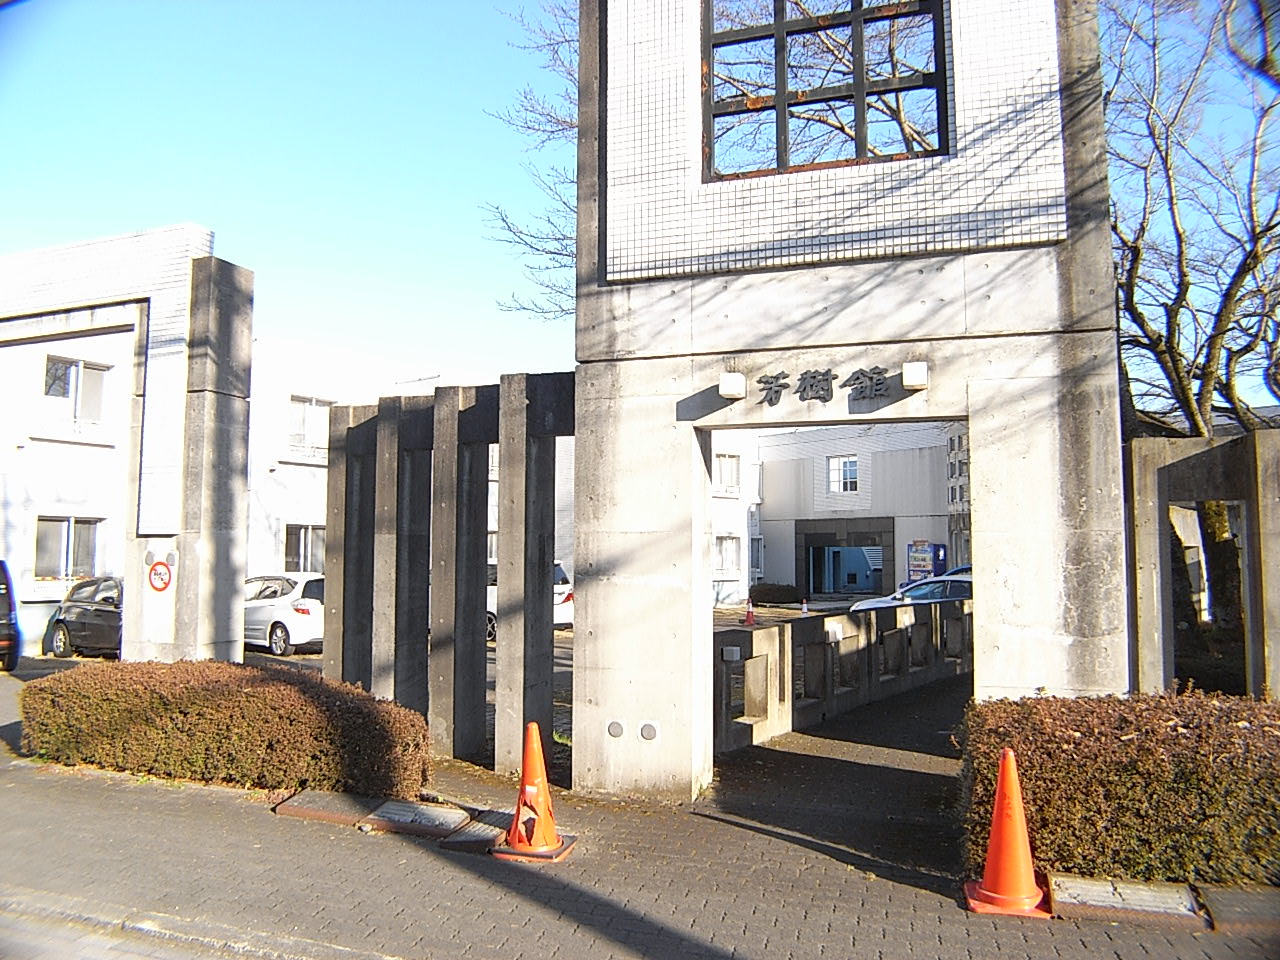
<point>733,386</point>
<point>915,375</point>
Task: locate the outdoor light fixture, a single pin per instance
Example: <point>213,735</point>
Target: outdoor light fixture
<point>733,386</point>
<point>915,375</point>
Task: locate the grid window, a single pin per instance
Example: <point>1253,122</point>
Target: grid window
<point>842,474</point>
<point>303,548</point>
<point>798,84</point>
<point>66,547</point>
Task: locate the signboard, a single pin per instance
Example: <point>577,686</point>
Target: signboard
<point>919,560</point>
<point>159,576</point>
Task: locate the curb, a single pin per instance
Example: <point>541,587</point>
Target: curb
<point>1249,910</point>
<point>19,902</point>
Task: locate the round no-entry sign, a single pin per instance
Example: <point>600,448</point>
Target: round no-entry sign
<point>160,576</point>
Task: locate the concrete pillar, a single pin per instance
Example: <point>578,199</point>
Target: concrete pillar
<point>465,423</point>
<point>348,558</point>
<point>1261,568</point>
<point>414,545</point>
<point>532,411</point>
<point>386,551</point>
<point>188,588</point>
<point>642,659</point>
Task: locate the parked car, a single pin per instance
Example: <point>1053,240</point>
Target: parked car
<point>946,587</point>
<point>963,568</point>
<point>284,611</point>
<point>88,620</point>
<point>561,601</point>
<point>10,637</point>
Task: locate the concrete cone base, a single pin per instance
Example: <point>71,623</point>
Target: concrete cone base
<point>554,855</point>
<point>979,901</point>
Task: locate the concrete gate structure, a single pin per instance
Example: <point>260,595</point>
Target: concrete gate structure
<point>967,279</point>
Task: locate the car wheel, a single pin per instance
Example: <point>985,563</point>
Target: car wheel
<point>9,662</point>
<point>490,627</point>
<point>61,641</point>
<point>279,640</point>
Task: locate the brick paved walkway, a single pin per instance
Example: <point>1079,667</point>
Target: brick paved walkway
<point>827,844</point>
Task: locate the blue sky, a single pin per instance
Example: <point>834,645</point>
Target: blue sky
<point>342,151</point>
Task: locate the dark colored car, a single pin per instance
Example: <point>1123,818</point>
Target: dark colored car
<point>88,620</point>
<point>10,637</point>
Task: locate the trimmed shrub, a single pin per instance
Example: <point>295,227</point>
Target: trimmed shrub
<point>774,593</point>
<point>1180,787</point>
<point>273,728</point>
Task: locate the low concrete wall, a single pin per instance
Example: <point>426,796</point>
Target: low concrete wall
<point>770,680</point>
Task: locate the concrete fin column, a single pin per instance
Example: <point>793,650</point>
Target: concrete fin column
<point>386,566</point>
<point>1261,581</point>
<point>533,410</point>
<point>348,556</point>
<point>413,545</point>
<point>465,424</point>
<point>208,584</point>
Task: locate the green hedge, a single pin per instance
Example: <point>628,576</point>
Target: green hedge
<point>1171,787</point>
<point>274,728</point>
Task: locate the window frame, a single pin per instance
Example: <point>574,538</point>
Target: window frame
<point>75,375</point>
<point>836,479</point>
<point>306,552</point>
<point>70,565</point>
<point>782,98</point>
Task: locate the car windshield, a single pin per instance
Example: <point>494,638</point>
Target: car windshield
<point>562,578</point>
<point>314,590</point>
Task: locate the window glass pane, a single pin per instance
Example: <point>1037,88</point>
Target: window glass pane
<point>57,377</point>
<point>297,422</point>
<point>51,546</point>
<point>742,70</point>
<point>902,122</point>
<point>292,547</point>
<point>898,47</point>
<point>820,59</point>
<point>84,548</point>
<point>91,383</point>
<point>735,14</point>
<point>805,9</point>
<point>313,590</point>
<point>315,558</point>
<point>821,132</point>
<point>745,142</point>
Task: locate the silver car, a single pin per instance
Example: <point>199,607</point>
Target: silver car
<point>284,611</point>
<point>947,587</point>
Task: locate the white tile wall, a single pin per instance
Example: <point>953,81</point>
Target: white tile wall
<point>1002,184</point>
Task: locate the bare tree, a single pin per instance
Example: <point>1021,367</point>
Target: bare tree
<point>547,242</point>
<point>1195,184</point>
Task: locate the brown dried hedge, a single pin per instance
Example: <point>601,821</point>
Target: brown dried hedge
<point>1182,787</point>
<point>227,723</point>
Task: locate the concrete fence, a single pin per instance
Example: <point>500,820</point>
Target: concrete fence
<point>770,680</point>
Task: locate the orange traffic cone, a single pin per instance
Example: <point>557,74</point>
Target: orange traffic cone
<point>533,838</point>
<point>751,614</point>
<point>1008,883</point>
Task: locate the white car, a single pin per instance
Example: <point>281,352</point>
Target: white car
<point>561,601</point>
<point>284,610</point>
<point>947,587</point>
